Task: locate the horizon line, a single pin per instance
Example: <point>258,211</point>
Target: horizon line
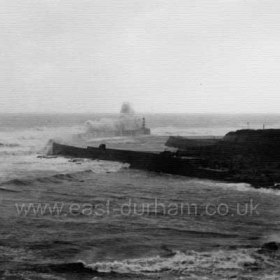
<point>137,113</point>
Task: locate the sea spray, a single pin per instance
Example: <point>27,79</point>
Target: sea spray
<point>127,120</point>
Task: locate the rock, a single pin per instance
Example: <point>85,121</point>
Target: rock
<point>270,247</point>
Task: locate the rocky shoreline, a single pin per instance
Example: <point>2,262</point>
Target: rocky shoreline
<point>249,156</point>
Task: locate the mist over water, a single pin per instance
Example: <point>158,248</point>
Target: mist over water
<point>153,245</point>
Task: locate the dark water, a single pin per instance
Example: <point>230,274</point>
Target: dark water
<point>82,219</point>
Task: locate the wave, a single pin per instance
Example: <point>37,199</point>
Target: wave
<point>16,152</point>
<point>9,145</point>
<point>8,190</point>
<point>180,262</point>
<point>17,182</point>
<point>75,267</point>
<point>209,234</point>
<point>214,264</point>
<point>14,149</point>
<point>241,187</point>
<point>76,176</point>
<point>244,187</point>
<point>57,178</point>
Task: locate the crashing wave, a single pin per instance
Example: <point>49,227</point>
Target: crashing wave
<point>127,124</point>
<point>221,264</point>
<point>180,262</point>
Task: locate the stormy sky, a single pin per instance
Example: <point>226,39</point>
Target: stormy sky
<point>186,56</point>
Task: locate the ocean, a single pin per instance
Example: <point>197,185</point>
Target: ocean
<point>82,219</point>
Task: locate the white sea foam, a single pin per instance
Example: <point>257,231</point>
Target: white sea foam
<point>213,265</point>
<point>243,187</point>
<point>181,262</point>
<point>240,187</point>
<point>31,166</point>
<point>127,120</point>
